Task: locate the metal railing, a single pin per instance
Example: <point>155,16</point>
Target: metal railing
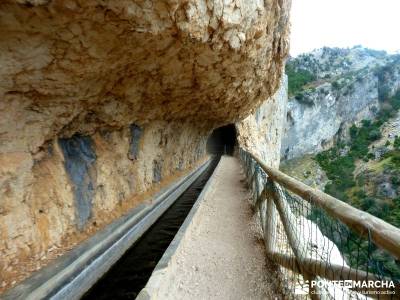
<point>325,248</point>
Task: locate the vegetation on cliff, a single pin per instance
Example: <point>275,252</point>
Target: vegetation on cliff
<point>342,69</point>
<point>331,89</point>
<point>298,78</point>
<point>376,188</point>
<point>340,163</point>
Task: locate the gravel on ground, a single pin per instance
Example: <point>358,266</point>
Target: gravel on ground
<point>222,255</point>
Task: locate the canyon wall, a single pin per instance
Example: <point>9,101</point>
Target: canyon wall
<point>312,127</point>
<point>348,85</point>
<point>104,102</point>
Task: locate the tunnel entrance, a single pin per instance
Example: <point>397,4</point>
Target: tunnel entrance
<point>222,140</point>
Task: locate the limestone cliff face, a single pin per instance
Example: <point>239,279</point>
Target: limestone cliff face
<point>312,127</point>
<point>259,133</point>
<point>347,87</point>
<point>102,101</point>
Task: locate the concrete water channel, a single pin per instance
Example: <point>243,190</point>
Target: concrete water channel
<point>117,262</point>
<point>131,273</point>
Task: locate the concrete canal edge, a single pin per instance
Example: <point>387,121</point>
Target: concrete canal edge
<point>73,274</point>
<point>161,274</point>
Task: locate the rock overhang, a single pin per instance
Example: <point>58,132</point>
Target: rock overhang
<point>87,64</point>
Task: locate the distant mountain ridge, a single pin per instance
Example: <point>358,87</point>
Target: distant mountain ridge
<point>338,61</point>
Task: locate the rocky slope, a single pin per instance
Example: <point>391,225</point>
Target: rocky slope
<point>362,170</point>
<point>330,89</point>
<point>102,102</point>
<point>379,175</point>
<point>307,170</point>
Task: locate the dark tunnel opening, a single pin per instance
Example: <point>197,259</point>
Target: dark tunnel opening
<point>222,140</point>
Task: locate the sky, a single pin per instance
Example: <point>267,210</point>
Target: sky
<point>345,23</point>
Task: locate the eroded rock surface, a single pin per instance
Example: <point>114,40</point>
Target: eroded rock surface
<point>260,133</point>
<point>72,66</point>
<point>101,100</point>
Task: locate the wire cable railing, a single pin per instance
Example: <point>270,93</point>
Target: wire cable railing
<point>325,248</point>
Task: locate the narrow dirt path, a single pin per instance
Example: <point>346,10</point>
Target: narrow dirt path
<point>221,255</point>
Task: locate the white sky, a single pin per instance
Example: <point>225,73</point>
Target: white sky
<point>344,23</point>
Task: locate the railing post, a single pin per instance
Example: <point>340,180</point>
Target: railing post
<point>271,224</point>
<point>297,245</point>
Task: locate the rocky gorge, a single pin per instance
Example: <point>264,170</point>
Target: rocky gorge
<point>332,89</point>
<point>343,137</point>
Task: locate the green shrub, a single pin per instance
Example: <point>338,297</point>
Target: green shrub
<point>396,159</point>
<point>396,143</point>
<point>336,85</point>
<point>396,181</point>
<point>299,96</point>
<point>360,194</point>
<point>361,180</point>
<point>367,203</point>
<point>297,78</point>
<point>374,135</point>
<point>353,131</point>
